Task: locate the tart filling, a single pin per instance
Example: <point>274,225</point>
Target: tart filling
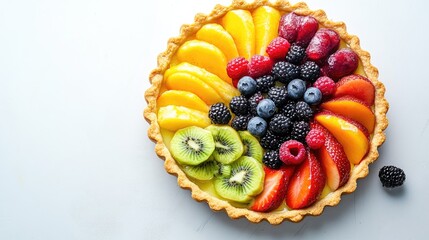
<point>266,110</point>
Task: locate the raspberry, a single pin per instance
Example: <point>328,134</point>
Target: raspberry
<point>278,48</point>
<point>239,105</point>
<point>271,159</point>
<point>292,152</point>
<point>303,111</point>
<point>264,83</point>
<point>300,131</point>
<point>296,54</point>
<point>310,71</point>
<point>278,95</point>
<point>285,72</point>
<point>219,113</point>
<point>326,85</point>
<point>279,124</point>
<point>272,141</point>
<point>289,110</point>
<point>254,101</point>
<point>239,123</point>
<point>237,68</point>
<point>391,176</point>
<point>259,66</point>
<point>315,139</point>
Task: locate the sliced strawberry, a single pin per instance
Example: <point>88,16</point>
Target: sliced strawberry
<point>306,184</point>
<point>288,27</point>
<point>308,27</point>
<point>274,192</point>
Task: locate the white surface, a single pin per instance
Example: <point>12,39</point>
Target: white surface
<point>75,160</point>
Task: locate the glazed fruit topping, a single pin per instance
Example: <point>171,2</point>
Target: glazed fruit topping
<point>275,186</point>
<point>324,42</point>
<point>260,65</point>
<point>278,48</point>
<point>326,86</point>
<point>342,63</point>
<point>292,152</point>
<point>237,68</point>
<point>219,114</point>
<point>315,139</point>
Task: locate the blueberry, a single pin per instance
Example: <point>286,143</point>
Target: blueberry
<point>247,86</point>
<point>257,126</point>
<point>296,89</point>
<point>266,108</point>
<point>313,96</point>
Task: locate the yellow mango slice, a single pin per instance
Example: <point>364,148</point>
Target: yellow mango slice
<point>266,20</point>
<point>204,55</point>
<point>188,82</point>
<point>239,23</point>
<point>173,118</point>
<point>215,34</point>
<point>225,90</point>
<point>182,98</point>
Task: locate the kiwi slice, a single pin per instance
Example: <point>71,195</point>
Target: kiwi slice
<point>192,145</point>
<point>228,146</point>
<point>252,148</point>
<point>223,170</point>
<point>245,182</point>
<point>204,171</point>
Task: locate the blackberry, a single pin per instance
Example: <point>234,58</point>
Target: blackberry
<point>310,71</point>
<point>264,83</point>
<point>219,113</point>
<point>289,110</point>
<point>253,102</point>
<point>391,176</point>
<point>296,54</point>
<point>303,111</point>
<point>239,123</point>
<point>272,160</point>
<point>285,72</point>
<point>279,124</point>
<point>278,95</point>
<point>299,131</point>
<point>271,141</point>
<point>239,105</point>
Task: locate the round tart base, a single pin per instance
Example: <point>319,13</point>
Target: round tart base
<point>276,217</point>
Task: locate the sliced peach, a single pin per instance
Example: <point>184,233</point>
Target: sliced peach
<point>182,98</point>
<point>173,118</point>
<point>351,135</point>
<point>239,23</point>
<point>225,90</point>
<point>266,20</point>
<point>215,34</point>
<point>205,55</point>
<point>356,86</point>
<point>334,160</point>
<point>188,82</point>
<point>352,108</point>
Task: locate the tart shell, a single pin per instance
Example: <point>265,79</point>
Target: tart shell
<point>361,170</point>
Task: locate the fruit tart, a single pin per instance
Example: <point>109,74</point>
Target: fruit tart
<point>266,110</point>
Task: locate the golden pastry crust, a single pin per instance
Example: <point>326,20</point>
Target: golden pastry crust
<point>333,198</point>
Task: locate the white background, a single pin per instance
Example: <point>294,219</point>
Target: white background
<point>75,160</point>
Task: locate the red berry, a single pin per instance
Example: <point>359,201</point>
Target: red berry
<point>260,65</point>
<point>315,139</point>
<point>342,63</point>
<point>307,28</point>
<point>278,48</point>
<point>324,42</point>
<point>292,152</point>
<point>237,68</point>
<point>288,27</point>
<point>326,85</point>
